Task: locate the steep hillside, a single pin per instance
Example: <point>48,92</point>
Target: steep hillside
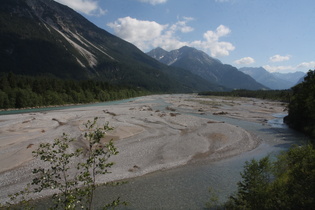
<point>211,69</point>
<point>42,37</point>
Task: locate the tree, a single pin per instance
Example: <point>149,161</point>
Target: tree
<point>4,100</point>
<point>26,91</point>
<point>253,189</point>
<point>213,202</point>
<point>296,174</point>
<point>301,114</point>
<point>72,173</point>
<point>287,183</point>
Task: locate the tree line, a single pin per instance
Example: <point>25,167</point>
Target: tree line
<point>18,91</point>
<point>277,95</point>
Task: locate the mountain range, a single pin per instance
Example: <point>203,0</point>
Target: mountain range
<point>294,77</point>
<point>43,37</point>
<point>276,81</point>
<point>211,69</point>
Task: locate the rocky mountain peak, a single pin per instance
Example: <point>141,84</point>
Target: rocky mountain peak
<point>211,69</point>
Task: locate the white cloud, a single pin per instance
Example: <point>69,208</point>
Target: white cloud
<point>153,2</point>
<point>279,68</point>
<point>305,66</point>
<point>188,18</point>
<point>181,25</point>
<point>213,44</point>
<point>139,32</point>
<point>150,34</point>
<point>89,7</point>
<point>279,58</point>
<point>245,61</point>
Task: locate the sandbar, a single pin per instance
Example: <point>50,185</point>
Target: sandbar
<point>151,133</point>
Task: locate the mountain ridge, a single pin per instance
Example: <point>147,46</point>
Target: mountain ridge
<point>211,69</point>
<point>293,77</point>
<point>276,81</point>
<point>40,37</point>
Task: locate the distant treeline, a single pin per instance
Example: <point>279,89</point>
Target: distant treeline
<point>17,91</point>
<point>278,95</point>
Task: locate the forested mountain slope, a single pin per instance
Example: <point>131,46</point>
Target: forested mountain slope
<point>43,37</point>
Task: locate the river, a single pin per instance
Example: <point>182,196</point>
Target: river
<point>187,187</point>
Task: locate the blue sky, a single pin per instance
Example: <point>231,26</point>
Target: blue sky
<point>278,35</point>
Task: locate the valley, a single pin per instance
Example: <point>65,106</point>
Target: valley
<point>152,133</point>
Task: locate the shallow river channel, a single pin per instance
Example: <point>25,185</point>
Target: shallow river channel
<point>187,187</point>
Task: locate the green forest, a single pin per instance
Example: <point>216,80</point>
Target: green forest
<point>277,95</point>
<point>18,91</point>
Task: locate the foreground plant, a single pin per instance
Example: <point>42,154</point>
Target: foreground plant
<point>287,183</point>
<point>72,173</point>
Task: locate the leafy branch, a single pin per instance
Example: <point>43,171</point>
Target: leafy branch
<point>72,173</point>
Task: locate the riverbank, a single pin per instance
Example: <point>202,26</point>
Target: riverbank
<point>149,136</point>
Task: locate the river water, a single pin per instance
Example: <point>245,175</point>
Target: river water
<point>186,187</point>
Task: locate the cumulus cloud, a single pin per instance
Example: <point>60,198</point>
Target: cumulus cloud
<point>212,43</point>
<point>153,2</point>
<point>150,34</point>
<point>305,66</point>
<point>89,7</point>
<point>279,68</point>
<point>139,32</point>
<point>182,26</point>
<point>245,61</point>
<point>279,58</point>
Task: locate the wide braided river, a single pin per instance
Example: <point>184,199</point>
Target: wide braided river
<point>187,187</point>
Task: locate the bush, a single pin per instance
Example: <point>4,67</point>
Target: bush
<point>287,183</point>
<point>72,172</point>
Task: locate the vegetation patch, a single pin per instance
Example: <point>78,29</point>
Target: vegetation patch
<point>302,106</point>
<point>286,183</point>
<point>277,95</point>
<point>18,91</point>
<point>71,172</point>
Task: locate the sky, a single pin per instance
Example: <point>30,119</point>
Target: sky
<point>278,35</point>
